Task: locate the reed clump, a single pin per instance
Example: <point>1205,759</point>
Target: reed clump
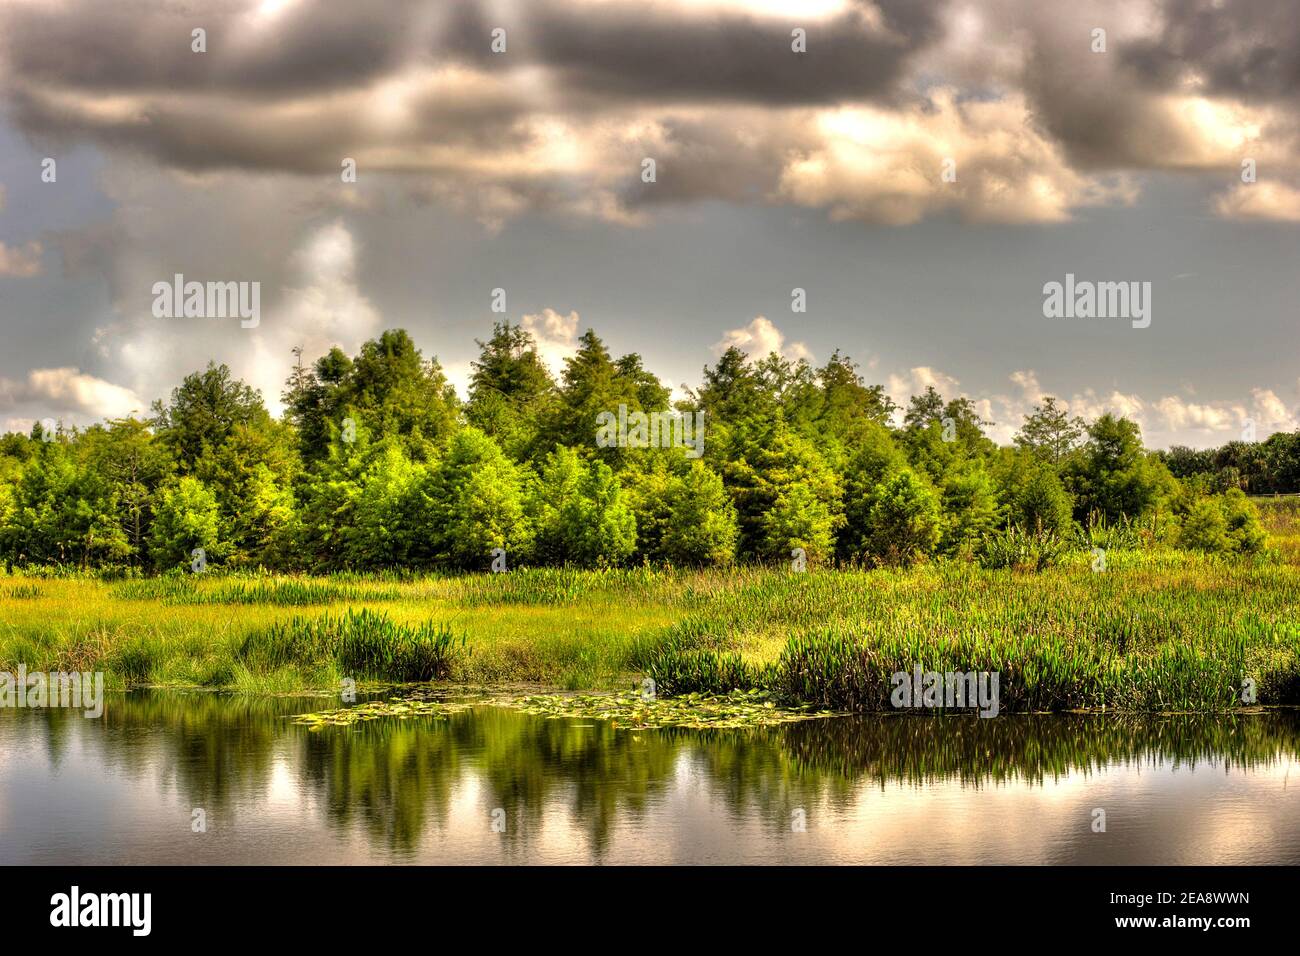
<point>362,643</point>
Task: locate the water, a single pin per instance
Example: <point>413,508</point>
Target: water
<point>897,789</point>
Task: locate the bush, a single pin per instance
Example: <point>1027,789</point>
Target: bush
<point>1041,501</point>
<point>903,523</point>
<point>1222,524</point>
<point>1245,531</point>
<point>1204,528</point>
<point>1022,550</point>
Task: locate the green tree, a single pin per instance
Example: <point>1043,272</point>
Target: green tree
<point>186,518</point>
<point>1049,432</point>
<point>511,391</point>
<point>1114,477</point>
<point>799,519</point>
<point>1041,503</point>
<point>969,503</point>
<point>593,383</point>
<point>762,465</point>
<point>134,464</point>
<point>903,523</point>
<point>385,508</point>
<point>580,514</point>
<point>478,503</point>
<point>252,473</point>
<point>202,413</point>
<point>700,526</point>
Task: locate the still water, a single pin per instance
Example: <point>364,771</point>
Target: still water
<point>496,786</point>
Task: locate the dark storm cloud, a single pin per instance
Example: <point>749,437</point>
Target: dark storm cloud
<point>586,89</point>
<point>224,133</point>
<point>621,51</point>
<point>1102,119</point>
<point>1248,49</point>
<point>708,160</point>
<point>626,50</point>
<point>282,90</point>
<point>142,46</point>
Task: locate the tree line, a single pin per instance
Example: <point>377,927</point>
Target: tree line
<point>377,463</point>
<point>1270,467</point>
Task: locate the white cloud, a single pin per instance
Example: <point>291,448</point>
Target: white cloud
<point>1260,200</point>
<point>915,381</point>
<point>321,306</point>
<point>887,165</point>
<point>759,339</point>
<point>556,336</point>
<point>58,391</point>
<point>459,374</point>
<point>324,310</point>
<point>1178,414</point>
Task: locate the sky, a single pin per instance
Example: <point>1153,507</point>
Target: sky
<point>920,169</point>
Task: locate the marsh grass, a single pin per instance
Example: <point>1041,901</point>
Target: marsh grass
<point>277,591</point>
<point>1281,519</point>
<point>1157,630</point>
<point>363,643</point>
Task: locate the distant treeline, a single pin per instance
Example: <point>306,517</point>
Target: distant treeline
<point>377,463</point>
<point>1270,467</point>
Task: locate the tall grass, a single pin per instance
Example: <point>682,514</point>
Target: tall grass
<point>362,643</point>
<point>1156,630</point>
<point>282,592</point>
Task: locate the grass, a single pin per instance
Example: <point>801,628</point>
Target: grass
<point>576,630</point>
<point>1157,630</point>
<point>365,643</point>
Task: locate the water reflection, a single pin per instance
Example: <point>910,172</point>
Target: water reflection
<point>1014,789</point>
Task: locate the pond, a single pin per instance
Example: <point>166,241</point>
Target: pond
<point>180,777</point>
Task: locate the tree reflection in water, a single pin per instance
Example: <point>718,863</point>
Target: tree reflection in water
<point>398,780</point>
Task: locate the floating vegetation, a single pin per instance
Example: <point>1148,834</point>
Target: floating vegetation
<point>394,709</point>
<point>738,709</point>
<point>632,711</point>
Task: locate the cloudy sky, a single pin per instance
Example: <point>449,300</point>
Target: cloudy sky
<point>774,169</point>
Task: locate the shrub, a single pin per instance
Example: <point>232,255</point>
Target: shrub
<point>903,522</point>
<point>1245,531</point>
<point>1041,501</point>
<point>1204,528</point>
<point>1022,550</point>
<point>1222,524</point>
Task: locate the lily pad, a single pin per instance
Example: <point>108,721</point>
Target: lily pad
<point>628,711</point>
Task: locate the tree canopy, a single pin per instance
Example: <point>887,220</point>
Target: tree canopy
<point>376,462</point>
